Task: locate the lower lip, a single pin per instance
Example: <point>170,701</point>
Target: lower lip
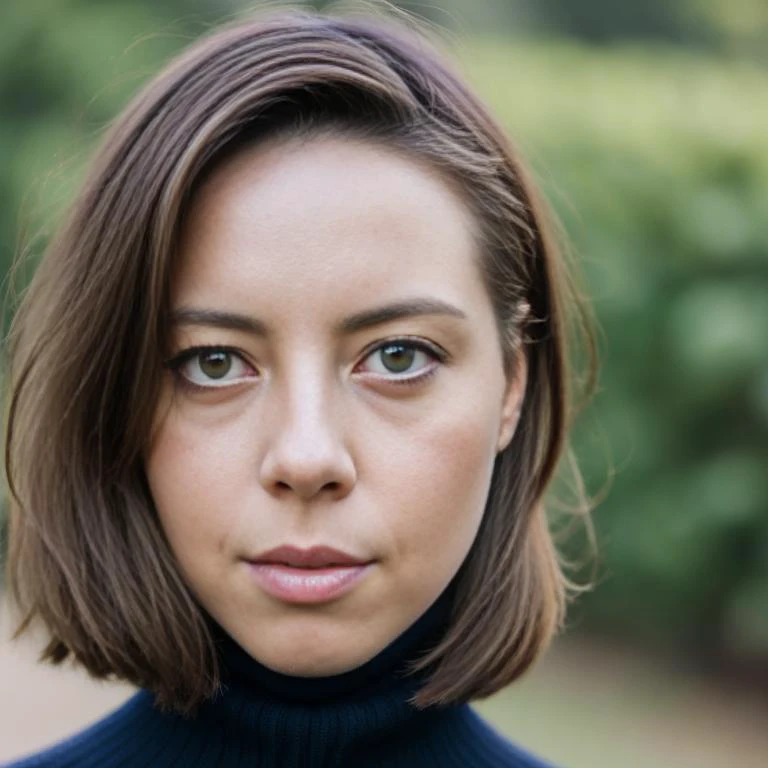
<point>307,585</point>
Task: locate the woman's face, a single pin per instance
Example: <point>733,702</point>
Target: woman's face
<point>349,394</point>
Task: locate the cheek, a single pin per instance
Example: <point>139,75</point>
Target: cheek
<point>195,478</point>
<point>445,476</point>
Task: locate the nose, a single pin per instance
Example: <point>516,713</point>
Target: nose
<point>306,453</point>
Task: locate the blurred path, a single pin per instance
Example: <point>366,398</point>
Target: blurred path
<point>583,707</point>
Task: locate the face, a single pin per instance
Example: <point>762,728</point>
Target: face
<point>336,380</point>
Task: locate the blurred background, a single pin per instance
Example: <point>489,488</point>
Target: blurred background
<point>645,122</point>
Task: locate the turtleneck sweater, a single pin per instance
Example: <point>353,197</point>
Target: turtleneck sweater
<point>266,719</point>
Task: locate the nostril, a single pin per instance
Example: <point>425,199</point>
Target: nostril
<point>333,485</point>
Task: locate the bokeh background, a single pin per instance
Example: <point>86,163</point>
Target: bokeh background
<point>646,123</point>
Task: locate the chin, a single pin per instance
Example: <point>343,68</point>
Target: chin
<point>308,656</point>
<point>318,665</point>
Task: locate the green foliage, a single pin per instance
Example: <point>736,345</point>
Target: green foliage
<point>657,164</point>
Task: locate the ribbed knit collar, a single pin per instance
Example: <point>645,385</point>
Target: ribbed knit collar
<point>317,721</point>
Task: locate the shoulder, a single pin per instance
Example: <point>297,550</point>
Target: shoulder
<point>495,749</point>
<point>92,746</point>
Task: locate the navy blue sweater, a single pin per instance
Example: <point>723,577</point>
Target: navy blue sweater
<point>263,719</point>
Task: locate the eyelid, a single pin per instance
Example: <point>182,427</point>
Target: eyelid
<point>417,342</point>
<point>189,352</point>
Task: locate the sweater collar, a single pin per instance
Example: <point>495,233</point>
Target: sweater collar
<point>329,720</point>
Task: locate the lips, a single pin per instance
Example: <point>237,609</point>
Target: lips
<point>307,576</point>
<point>314,557</point>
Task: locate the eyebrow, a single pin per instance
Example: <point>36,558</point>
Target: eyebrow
<point>352,324</point>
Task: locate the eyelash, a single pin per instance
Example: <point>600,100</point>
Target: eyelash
<point>178,361</point>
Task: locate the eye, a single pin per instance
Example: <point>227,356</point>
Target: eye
<point>210,367</point>
<point>404,356</point>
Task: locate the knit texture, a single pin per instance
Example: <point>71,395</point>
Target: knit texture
<point>264,719</point>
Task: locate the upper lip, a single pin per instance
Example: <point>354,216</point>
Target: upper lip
<point>314,557</point>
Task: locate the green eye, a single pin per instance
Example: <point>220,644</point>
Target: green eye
<point>397,358</point>
<point>404,361</point>
<point>216,364</point>
<point>210,367</point>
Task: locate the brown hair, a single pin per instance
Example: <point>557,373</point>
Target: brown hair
<point>87,553</point>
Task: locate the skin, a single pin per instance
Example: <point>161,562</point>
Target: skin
<point>311,439</point>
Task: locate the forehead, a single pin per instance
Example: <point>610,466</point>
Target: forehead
<point>323,224</point>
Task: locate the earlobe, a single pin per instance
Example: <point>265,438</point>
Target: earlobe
<point>513,403</point>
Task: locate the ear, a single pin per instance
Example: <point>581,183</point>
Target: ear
<point>512,403</point>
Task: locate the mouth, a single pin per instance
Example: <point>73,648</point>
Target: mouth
<point>314,557</point>
<point>308,585</point>
<point>308,576</point>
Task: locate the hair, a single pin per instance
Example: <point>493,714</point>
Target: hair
<point>87,554</point>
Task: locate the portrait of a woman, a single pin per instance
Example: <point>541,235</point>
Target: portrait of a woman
<point>287,391</point>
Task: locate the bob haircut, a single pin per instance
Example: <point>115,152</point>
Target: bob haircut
<point>87,554</point>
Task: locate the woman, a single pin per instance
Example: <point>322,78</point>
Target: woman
<point>287,391</point>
